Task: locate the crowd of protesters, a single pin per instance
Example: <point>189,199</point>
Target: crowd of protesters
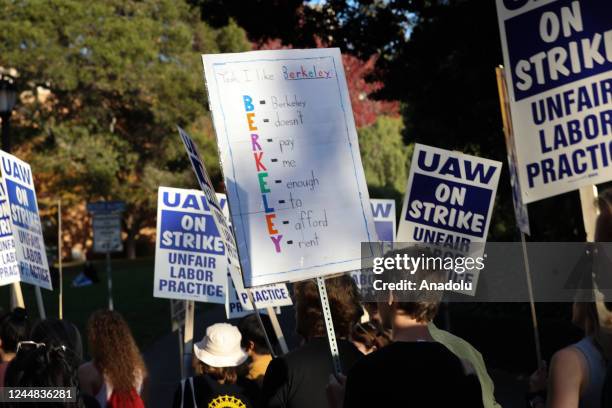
<point>398,358</point>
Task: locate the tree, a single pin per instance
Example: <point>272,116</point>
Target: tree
<point>437,57</point>
<point>104,84</point>
<point>385,158</point>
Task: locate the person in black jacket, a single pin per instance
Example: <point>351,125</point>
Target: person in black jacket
<point>298,379</point>
<point>415,370</point>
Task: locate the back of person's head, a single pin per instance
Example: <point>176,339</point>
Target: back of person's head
<point>114,350</point>
<point>344,304</point>
<point>49,359</point>
<point>253,335</point>
<point>219,354</point>
<point>59,333</point>
<point>369,336</point>
<point>422,304</point>
<point>14,327</point>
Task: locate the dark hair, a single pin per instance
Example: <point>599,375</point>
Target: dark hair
<point>421,305</point>
<point>51,362</point>
<point>251,330</point>
<point>225,375</point>
<point>344,303</point>
<point>370,334</point>
<point>14,327</point>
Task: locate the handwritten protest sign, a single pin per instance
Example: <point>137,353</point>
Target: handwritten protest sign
<point>190,257</point>
<point>558,58</point>
<point>291,162</point>
<point>20,195</point>
<point>448,204</point>
<point>237,303</point>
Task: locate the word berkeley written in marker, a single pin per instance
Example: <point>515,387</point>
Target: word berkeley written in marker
<point>262,173</point>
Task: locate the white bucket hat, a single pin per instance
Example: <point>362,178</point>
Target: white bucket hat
<point>221,346</point>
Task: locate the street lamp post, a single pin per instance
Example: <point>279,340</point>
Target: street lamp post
<point>8,98</point>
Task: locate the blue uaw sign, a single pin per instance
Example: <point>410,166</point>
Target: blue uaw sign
<point>9,268</point>
<point>449,202</point>
<point>21,212</point>
<point>558,59</point>
<point>190,257</point>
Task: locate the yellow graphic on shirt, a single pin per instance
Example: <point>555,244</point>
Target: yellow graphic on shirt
<point>226,401</point>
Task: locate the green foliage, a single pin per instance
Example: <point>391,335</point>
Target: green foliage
<point>121,75</point>
<point>385,157</point>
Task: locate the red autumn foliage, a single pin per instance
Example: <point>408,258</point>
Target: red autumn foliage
<point>365,108</point>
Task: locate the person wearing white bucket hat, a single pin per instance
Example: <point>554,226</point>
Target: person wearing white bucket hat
<point>219,365</point>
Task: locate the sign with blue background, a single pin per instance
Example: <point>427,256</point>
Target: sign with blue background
<point>558,66</point>
<point>449,201</point>
<point>190,257</point>
<point>24,221</point>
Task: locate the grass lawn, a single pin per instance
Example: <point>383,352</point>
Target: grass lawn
<point>148,317</point>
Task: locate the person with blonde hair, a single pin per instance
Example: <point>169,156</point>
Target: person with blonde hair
<point>116,374</point>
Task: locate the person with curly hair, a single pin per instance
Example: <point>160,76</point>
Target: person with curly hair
<point>117,374</point>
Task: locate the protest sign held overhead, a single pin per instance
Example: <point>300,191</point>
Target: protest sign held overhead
<point>558,59</point>
<point>521,214</point>
<point>291,162</point>
<point>449,202</point>
<point>209,191</point>
<point>237,302</point>
<point>383,211</point>
<point>190,257</point>
<point>9,269</point>
<point>18,188</point>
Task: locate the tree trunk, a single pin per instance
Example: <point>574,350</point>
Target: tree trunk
<point>130,244</point>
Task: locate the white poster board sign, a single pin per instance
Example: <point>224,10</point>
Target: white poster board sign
<point>18,187</point>
<point>291,162</point>
<point>190,257</point>
<point>9,269</point>
<point>558,64</point>
<point>237,303</point>
<point>448,204</point>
